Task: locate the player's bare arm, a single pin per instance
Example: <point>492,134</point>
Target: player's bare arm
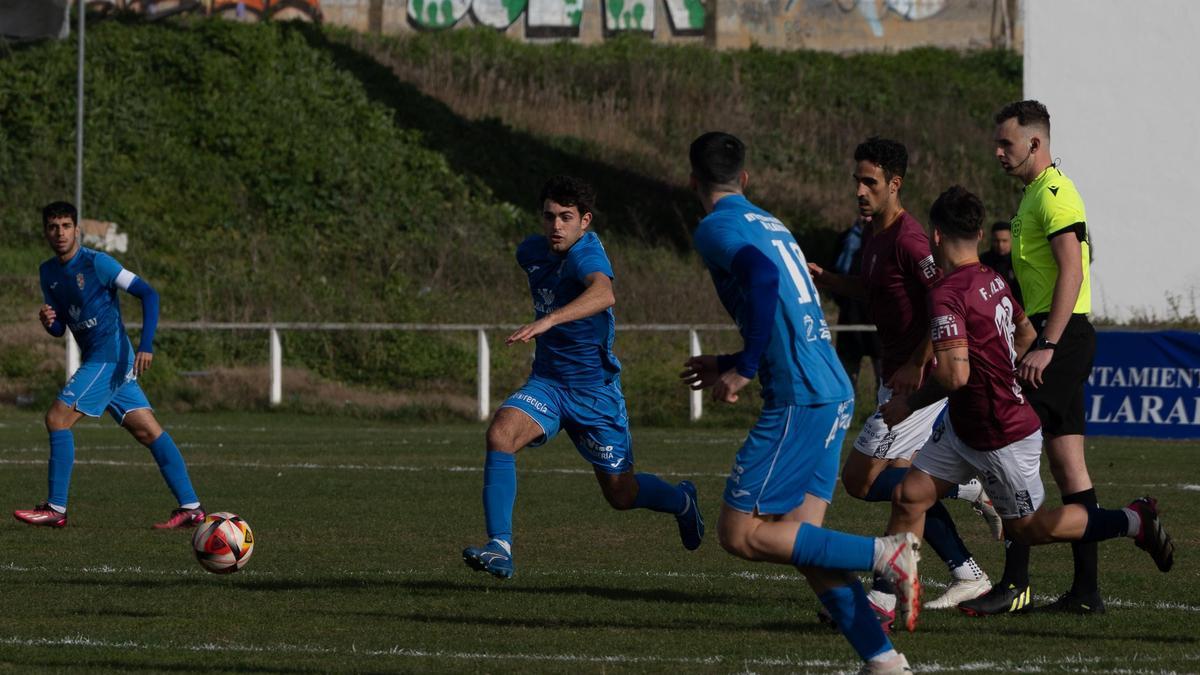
<point>595,299</point>
<point>1023,337</point>
<point>851,286</point>
<point>950,372</point>
<point>1069,256</point>
<point>907,378</point>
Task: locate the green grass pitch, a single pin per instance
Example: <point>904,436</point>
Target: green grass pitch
<point>357,567</point>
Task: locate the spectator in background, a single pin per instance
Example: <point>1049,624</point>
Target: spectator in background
<point>852,346</point>
<point>999,256</point>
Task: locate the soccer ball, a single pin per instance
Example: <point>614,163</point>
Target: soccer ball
<point>223,543</point>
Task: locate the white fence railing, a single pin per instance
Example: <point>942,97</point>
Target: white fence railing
<point>484,379</point>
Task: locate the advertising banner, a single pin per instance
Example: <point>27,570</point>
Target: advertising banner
<point>1145,384</point>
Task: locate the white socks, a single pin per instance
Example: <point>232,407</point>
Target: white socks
<point>968,571</point>
<point>1135,522</point>
<point>970,491</point>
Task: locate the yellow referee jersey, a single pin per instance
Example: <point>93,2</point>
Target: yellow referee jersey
<point>1050,208</point>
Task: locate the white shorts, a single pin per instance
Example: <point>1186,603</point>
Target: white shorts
<point>901,441</point>
<point>1011,475</point>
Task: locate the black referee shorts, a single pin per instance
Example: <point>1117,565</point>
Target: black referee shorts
<point>1059,402</point>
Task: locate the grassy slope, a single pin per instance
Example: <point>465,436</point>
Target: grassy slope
<point>278,172</point>
<point>357,564</point>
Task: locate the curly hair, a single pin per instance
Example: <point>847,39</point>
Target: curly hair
<point>891,156</point>
<point>569,191</point>
<point>957,213</point>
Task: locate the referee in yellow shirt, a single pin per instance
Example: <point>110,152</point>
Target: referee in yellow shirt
<point>1051,255</point>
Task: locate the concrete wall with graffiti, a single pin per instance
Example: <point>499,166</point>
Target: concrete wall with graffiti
<point>836,25</point>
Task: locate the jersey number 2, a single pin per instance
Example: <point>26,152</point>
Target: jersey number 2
<point>799,272</point>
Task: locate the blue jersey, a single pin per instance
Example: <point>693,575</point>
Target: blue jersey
<point>799,366</point>
<point>83,293</point>
<point>578,353</point>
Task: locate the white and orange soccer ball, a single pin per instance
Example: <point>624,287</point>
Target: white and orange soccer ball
<point>223,543</point>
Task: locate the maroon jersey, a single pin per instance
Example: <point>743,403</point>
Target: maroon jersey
<point>973,307</point>
<point>898,270</point>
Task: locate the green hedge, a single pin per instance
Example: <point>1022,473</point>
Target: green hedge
<point>276,172</point>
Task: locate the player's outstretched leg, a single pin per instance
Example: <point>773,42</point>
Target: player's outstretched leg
<point>969,579</point>
<point>144,427</point>
<point>499,496</point>
<point>628,490</point>
<point>53,512</point>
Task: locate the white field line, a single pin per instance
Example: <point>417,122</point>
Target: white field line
<point>1034,665</point>
<point>317,466</point>
<point>570,574</point>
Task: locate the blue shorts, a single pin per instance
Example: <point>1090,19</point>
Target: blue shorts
<point>98,385</point>
<point>793,450</point>
<point>594,418</point>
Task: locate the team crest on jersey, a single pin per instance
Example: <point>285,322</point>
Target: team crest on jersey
<point>79,280</point>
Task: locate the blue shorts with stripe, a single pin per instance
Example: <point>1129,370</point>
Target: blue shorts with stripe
<point>793,450</point>
<point>100,385</point>
<point>594,418</point>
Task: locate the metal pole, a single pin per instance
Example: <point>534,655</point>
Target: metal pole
<point>81,8</point>
<point>485,377</point>
<point>695,398</point>
<point>276,369</point>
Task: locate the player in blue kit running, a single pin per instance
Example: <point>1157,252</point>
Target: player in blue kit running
<point>783,476</point>
<point>79,286</point>
<point>575,384</point>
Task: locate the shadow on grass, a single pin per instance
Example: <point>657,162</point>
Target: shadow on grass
<point>412,586</point>
<point>630,622</point>
<point>514,164</point>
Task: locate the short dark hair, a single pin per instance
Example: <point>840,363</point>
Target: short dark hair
<point>1001,226</point>
<point>957,213</point>
<point>569,191</point>
<point>1028,113</point>
<point>58,210</point>
<point>717,158</point>
<point>891,156</point>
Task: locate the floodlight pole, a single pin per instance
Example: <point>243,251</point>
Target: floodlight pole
<point>80,6</point>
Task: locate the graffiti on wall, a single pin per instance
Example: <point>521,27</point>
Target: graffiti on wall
<point>873,11</point>
<point>685,16</point>
<point>247,10</point>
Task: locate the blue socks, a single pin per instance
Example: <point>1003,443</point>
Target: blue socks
<point>852,612</point>
<point>885,483</point>
<point>658,495</point>
<point>173,469</point>
<point>943,536</point>
<point>62,459</point>
<point>832,550</point>
<point>499,494</point>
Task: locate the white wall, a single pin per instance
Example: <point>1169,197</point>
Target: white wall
<point>1121,79</point>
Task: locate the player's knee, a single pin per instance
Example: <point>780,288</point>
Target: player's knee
<point>500,441</point>
<point>854,483</point>
<point>143,435</point>
<point>735,543</point>
<point>56,421</point>
<point>913,497</point>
